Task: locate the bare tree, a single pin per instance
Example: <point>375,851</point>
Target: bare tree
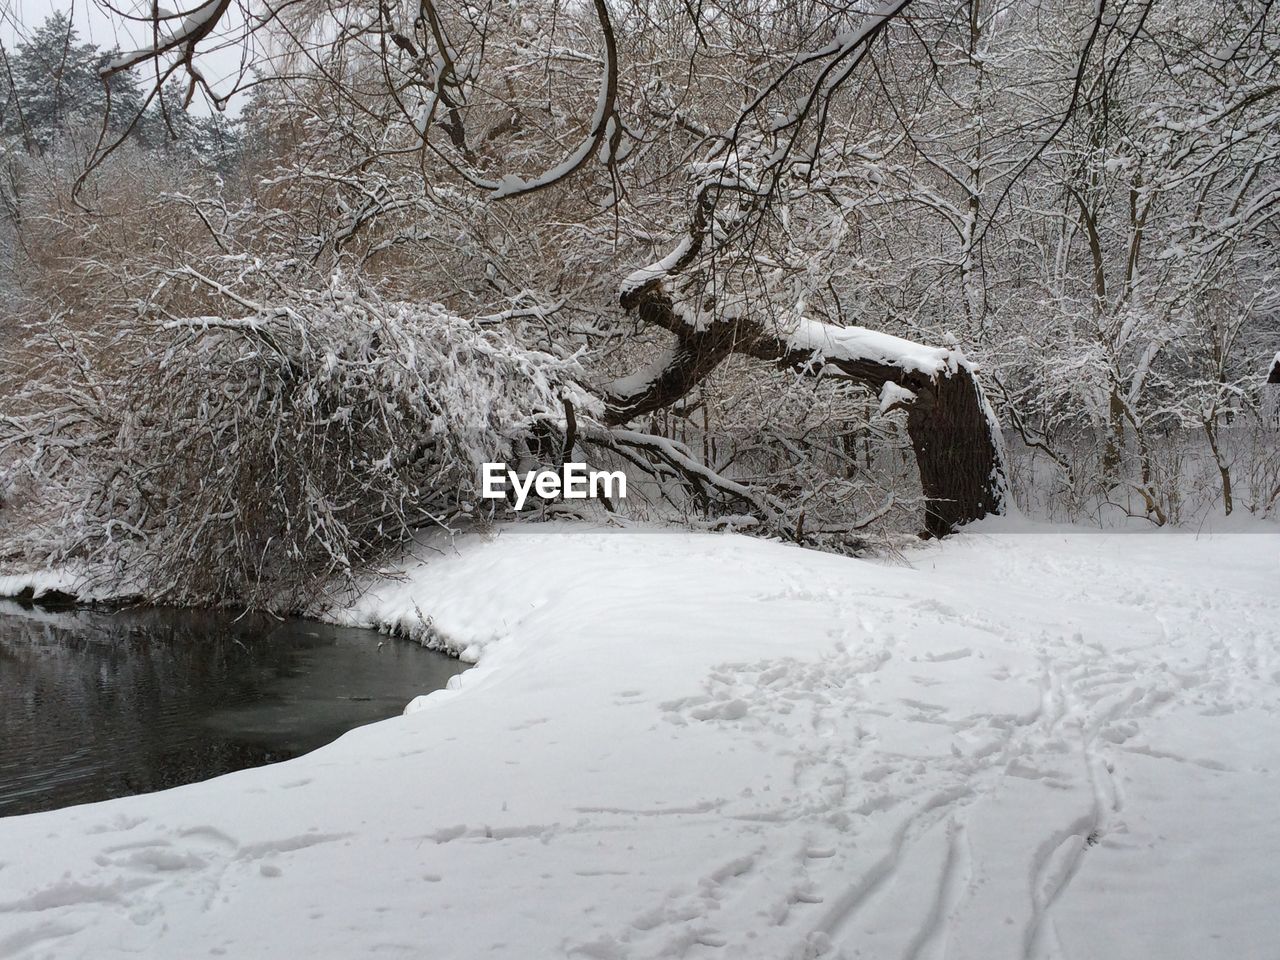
<point>438,69</point>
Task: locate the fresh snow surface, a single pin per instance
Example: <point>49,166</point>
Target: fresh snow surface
<point>1012,745</point>
<point>859,343</point>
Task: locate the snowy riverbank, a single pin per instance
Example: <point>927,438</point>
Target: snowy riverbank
<point>1014,745</point>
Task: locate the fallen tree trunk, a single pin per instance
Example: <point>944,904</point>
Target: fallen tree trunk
<point>953,431</point>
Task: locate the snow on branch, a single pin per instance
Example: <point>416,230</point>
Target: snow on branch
<point>659,269</point>
<point>603,128</point>
<point>679,458</point>
<point>858,344</point>
<point>212,470</point>
<point>894,397</point>
<point>192,27</point>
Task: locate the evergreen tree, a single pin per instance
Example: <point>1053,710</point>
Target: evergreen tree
<point>212,140</point>
<point>52,83</point>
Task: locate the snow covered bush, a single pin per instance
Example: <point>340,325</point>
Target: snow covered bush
<point>244,460</point>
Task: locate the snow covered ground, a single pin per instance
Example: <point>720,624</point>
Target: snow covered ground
<point>1012,745</point>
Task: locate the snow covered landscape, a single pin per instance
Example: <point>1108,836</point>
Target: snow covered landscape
<point>1021,742</point>
<point>640,480</point>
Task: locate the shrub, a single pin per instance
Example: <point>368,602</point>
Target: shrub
<point>242,461</point>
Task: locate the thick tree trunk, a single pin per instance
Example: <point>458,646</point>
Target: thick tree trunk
<point>961,468</point>
<point>953,435</point>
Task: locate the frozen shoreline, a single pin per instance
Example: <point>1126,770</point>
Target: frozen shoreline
<point>711,746</point>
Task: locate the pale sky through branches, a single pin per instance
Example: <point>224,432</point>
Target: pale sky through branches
<point>220,57</point>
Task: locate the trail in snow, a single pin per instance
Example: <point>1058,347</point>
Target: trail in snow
<point>1023,745</point>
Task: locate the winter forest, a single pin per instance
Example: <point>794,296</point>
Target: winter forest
<point>869,302</point>
<point>671,237</point>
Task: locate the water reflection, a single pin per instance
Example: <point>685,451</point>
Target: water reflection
<point>97,704</point>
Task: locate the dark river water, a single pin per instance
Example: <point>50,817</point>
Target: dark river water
<point>97,704</point>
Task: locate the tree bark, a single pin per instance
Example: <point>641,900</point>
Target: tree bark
<point>961,467</point>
